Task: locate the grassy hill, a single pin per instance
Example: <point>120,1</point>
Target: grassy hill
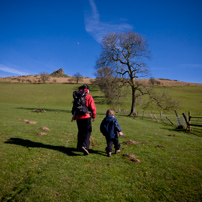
<point>47,167</point>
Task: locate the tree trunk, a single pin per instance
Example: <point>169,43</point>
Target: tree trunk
<point>133,106</point>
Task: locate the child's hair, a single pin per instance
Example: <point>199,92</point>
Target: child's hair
<point>110,112</point>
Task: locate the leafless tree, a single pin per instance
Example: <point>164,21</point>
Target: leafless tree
<point>124,54</point>
<point>45,76</point>
<point>78,77</point>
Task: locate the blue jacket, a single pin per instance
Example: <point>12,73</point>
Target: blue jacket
<point>110,127</point>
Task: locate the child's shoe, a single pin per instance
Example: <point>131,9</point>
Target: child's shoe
<point>117,151</point>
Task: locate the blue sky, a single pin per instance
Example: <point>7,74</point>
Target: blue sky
<point>45,35</point>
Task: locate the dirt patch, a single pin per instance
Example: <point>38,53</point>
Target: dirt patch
<point>160,146</point>
<point>132,158</point>
<point>130,142</point>
<point>173,135</point>
<point>68,139</point>
<point>40,134</point>
<point>44,128</point>
<point>143,143</point>
<point>136,160</point>
<point>31,122</point>
<point>39,110</point>
<point>24,120</point>
<point>27,121</point>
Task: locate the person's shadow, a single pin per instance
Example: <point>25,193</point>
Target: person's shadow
<point>28,143</point>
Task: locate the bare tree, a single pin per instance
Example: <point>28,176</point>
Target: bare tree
<point>78,77</point>
<point>124,53</point>
<point>45,76</point>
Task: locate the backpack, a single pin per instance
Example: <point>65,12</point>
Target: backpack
<point>79,103</point>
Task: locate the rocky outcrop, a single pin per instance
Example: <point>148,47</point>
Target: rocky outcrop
<point>58,73</point>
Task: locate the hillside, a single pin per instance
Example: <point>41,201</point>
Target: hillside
<point>37,79</point>
<point>71,79</point>
<point>40,162</point>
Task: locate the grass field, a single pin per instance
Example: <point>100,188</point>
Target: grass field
<point>48,167</point>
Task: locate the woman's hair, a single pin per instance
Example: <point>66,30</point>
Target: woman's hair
<point>85,86</point>
<point>110,112</point>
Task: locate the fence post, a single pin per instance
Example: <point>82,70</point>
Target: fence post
<point>189,121</point>
<point>178,120</point>
<point>185,118</point>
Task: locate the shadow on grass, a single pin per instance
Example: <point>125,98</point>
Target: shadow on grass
<point>99,100</point>
<point>183,131</point>
<point>41,110</point>
<point>66,150</point>
<point>46,109</point>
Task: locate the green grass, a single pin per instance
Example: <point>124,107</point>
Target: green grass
<point>48,167</point>
<point>189,97</point>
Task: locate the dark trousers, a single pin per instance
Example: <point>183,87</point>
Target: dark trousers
<point>84,132</point>
<point>110,143</point>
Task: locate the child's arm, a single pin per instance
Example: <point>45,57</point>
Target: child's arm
<point>118,128</point>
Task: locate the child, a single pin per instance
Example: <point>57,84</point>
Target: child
<point>110,129</point>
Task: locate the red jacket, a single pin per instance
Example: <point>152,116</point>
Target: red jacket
<point>91,106</point>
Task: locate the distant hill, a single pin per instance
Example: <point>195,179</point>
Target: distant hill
<point>168,82</point>
<point>37,79</point>
<point>60,77</point>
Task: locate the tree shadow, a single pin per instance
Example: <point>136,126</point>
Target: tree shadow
<point>70,151</point>
<point>183,131</point>
<point>46,109</point>
<point>99,100</point>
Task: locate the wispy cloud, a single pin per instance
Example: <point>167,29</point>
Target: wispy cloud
<point>98,29</point>
<point>191,65</point>
<point>11,70</point>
